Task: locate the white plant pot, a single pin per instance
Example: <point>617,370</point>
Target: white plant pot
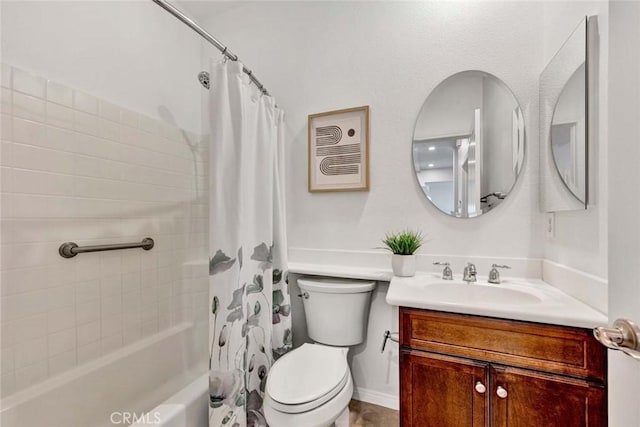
<point>403,265</point>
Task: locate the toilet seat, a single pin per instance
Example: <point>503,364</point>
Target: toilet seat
<point>307,377</point>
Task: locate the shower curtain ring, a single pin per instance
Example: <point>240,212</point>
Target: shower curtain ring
<point>224,54</point>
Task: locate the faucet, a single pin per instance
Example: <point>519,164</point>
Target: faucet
<point>469,274</point>
<point>494,274</point>
<point>447,274</point>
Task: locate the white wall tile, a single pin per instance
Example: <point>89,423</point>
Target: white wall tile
<point>87,291</point>
<point>108,130</point>
<point>58,115</point>
<point>28,107</point>
<point>42,159</point>
<point>5,75</point>
<point>60,297</point>
<point>62,341</point>
<point>129,118</point>
<point>6,153</point>
<point>88,311</point>
<point>29,328</point>
<point>148,124</point>
<point>86,123</point>
<point>85,102</point>
<point>29,83</point>
<point>109,111</point>
<point>59,139</point>
<point>32,374</point>
<point>88,333</point>
<point>59,93</point>
<point>111,343</point>
<point>20,306</point>
<point>7,360</point>
<point>89,352</point>
<point>61,319</point>
<point>29,352</point>
<point>76,168</point>
<point>62,362</point>
<point>6,101</point>
<point>6,127</point>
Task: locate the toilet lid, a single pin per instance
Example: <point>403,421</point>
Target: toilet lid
<point>307,374</point>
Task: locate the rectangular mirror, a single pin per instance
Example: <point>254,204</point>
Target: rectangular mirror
<point>564,126</point>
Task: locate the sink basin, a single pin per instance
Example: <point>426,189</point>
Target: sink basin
<point>456,293</point>
<point>525,299</point>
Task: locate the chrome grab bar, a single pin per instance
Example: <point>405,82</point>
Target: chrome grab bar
<point>624,336</point>
<point>71,249</point>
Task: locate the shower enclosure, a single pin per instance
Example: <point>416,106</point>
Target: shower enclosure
<point>103,143</point>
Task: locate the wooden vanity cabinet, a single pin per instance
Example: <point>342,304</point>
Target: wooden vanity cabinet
<point>460,370</point>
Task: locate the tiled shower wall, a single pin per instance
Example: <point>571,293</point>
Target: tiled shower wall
<point>78,168</point>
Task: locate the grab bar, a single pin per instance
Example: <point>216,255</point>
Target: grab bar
<point>71,249</point>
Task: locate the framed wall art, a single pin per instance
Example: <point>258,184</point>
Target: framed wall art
<point>339,150</point>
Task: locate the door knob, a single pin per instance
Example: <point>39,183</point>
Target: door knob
<point>624,336</point>
<point>502,393</point>
<point>480,388</point>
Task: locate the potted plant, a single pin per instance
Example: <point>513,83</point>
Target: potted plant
<point>403,246</point>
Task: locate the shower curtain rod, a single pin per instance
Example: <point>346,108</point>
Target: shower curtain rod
<point>208,37</point>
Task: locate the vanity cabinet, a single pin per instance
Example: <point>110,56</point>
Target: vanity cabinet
<point>462,370</point>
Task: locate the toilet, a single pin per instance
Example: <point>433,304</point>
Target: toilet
<point>311,386</point>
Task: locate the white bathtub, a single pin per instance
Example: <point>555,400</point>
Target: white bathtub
<point>187,408</point>
<point>129,382</point>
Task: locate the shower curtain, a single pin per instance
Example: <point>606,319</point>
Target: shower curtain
<point>250,323</point>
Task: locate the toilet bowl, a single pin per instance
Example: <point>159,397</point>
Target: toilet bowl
<point>308,387</point>
<point>311,386</point>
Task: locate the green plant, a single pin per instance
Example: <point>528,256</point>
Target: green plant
<point>403,243</point>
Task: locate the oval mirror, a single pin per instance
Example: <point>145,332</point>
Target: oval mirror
<point>568,135</point>
<point>468,144</point>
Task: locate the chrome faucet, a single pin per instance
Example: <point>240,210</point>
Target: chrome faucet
<point>469,274</point>
<point>447,274</point>
<point>494,274</point>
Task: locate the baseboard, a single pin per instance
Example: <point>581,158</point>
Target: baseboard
<point>377,398</point>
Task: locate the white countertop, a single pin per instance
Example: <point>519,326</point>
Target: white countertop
<point>540,302</point>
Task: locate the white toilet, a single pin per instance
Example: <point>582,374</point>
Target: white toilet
<point>311,386</point>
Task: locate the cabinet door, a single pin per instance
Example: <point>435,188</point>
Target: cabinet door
<point>521,398</point>
<point>442,391</point>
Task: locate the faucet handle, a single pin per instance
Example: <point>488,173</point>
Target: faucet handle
<point>494,275</point>
<point>447,274</point>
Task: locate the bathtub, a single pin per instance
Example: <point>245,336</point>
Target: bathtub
<point>119,388</point>
<point>186,408</point>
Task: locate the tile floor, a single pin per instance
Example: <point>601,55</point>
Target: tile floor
<point>364,414</point>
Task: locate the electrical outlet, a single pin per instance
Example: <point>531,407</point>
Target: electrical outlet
<point>550,225</point>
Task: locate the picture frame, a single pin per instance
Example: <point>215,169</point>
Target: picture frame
<point>338,150</point>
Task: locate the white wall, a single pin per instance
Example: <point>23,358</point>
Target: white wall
<point>131,53</point>
<point>581,236</point>
<point>319,56</point>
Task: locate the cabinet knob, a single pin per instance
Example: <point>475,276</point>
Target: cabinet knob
<point>502,393</point>
<point>480,388</point>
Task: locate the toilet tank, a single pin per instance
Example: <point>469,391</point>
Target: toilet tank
<point>336,310</point>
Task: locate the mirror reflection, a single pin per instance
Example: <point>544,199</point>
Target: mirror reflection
<point>468,144</point>
<point>563,127</point>
<point>568,134</point>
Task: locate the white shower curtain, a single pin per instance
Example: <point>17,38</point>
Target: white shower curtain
<point>250,322</point>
